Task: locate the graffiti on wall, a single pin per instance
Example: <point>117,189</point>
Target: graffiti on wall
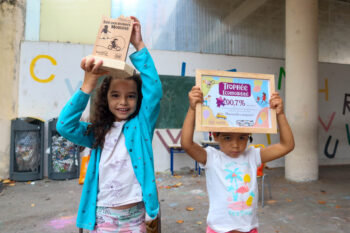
<point>53,61</point>
<point>331,144</point>
<point>52,70</point>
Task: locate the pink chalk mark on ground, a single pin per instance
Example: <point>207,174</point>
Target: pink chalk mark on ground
<point>62,222</point>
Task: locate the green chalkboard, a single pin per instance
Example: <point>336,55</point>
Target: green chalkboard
<point>174,104</point>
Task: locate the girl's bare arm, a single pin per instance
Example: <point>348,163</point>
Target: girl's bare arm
<point>187,143</point>
<point>286,143</point>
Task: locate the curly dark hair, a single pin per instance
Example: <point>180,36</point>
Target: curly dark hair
<point>101,118</point>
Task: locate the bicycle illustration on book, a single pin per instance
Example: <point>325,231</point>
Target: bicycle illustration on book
<point>113,44</point>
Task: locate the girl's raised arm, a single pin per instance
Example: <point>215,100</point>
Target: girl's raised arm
<point>187,143</point>
<point>151,86</point>
<point>286,143</point>
<point>69,124</point>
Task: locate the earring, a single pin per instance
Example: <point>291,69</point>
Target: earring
<point>250,139</point>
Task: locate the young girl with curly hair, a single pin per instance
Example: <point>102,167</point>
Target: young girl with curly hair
<point>120,185</point>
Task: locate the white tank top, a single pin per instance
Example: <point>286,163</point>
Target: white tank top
<point>117,181</point>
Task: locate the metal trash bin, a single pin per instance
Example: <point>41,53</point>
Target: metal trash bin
<point>63,159</point>
<point>27,149</point>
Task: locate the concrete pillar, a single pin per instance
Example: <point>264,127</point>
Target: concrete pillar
<point>12,14</point>
<point>301,103</point>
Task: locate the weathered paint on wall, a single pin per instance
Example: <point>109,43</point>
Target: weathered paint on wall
<point>72,21</point>
<point>12,15</point>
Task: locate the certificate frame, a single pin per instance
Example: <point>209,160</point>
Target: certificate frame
<point>245,104</point>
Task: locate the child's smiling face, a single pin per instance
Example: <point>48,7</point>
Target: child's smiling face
<point>122,98</point>
<point>232,144</point>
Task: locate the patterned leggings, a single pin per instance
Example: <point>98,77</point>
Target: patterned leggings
<point>130,220</point>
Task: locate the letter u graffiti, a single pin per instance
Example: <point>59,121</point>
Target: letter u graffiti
<point>331,156</point>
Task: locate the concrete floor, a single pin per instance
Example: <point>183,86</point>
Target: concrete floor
<point>321,206</point>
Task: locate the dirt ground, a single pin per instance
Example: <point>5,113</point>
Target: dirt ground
<point>320,206</point>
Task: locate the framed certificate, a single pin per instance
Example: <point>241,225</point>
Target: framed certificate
<point>235,102</point>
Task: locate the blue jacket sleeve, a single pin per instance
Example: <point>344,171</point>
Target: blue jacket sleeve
<point>69,124</point>
<point>151,86</point>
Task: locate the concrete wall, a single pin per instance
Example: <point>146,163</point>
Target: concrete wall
<point>72,21</point>
<point>333,24</point>
<point>12,14</point>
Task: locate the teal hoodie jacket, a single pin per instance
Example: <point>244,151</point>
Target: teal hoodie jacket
<point>138,133</point>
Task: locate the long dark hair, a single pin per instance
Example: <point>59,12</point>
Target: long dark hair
<point>101,118</point>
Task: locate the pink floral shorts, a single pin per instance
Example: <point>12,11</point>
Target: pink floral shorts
<point>130,220</point>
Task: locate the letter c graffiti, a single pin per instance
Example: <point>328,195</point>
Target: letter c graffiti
<point>32,65</point>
